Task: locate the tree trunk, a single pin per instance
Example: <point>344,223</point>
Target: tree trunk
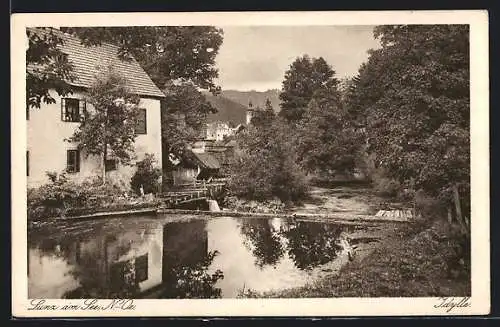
<point>104,157</point>
<point>458,209</point>
<point>104,153</point>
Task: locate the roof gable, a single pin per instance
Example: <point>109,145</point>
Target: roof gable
<point>87,60</point>
<point>204,160</point>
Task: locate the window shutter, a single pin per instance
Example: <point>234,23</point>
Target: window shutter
<point>77,160</point>
<point>69,163</point>
<point>63,106</point>
<point>73,161</point>
<point>141,127</point>
<point>82,109</point>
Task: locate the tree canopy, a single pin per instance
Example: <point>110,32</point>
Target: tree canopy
<point>266,164</point>
<point>46,67</point>
<point>184,113</point>
<point>305,76</point>
<point>413,94</point>
<point>110,122</point>
<point>166,53</point>
<point>328,142</point>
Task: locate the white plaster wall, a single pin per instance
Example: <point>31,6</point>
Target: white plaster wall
<point>152,244</point>
<point>47,148</point>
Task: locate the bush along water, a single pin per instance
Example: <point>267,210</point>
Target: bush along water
<point>146,176</point>
<point>63,197</point>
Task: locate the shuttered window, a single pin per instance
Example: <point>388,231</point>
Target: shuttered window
<point>73,161</point>
<point>72,109</point>
<point>141,122</point>
<point>110,164</point>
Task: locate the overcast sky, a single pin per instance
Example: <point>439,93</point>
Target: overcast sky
<point>256,57</point>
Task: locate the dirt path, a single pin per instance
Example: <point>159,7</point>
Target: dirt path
<point>348,200</point>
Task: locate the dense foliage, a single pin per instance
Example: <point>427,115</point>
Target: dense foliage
<point>266,164</point>
<point>413,95</point>
<point>61,194</point>
<point>146,175</point>
<point>46,67</point>
<point>305,76</point>
<point>328,143</point>
<point>184,115</point>
<point>194,281</point>
<point>167,53</point>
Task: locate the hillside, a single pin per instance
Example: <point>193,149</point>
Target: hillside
<point>257,98</point>
<point>232,104</point>
<point>229,111</point>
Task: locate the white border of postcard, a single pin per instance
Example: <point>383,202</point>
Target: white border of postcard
<point>477,304</point>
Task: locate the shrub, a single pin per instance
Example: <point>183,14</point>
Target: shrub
<point>268,206</point>
<point>265,167</point>
<point>386,187</point>
<point>147,175</point>
<point>62,196</point>
<point>428,206</point>
<point>56,197</point>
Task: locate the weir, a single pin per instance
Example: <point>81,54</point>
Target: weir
<point>213,206</point>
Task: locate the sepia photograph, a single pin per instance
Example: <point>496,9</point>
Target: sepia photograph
<point>224,161</point>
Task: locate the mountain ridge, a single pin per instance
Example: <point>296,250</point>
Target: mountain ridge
<point>233,104</point>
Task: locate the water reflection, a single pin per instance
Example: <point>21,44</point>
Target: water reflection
<point>264,240</point>
<point>185,274</point>
<point>155,258</point>
<point>311,245</point>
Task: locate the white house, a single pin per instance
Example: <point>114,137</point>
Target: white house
<point>50,125</point>
<point>217,130</point>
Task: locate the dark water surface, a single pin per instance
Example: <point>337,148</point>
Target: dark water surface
<point>157,257</point>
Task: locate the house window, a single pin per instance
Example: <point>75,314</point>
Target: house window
<point>73,161</point>
<point>27,163</point>
<point>72,109</point>
<point>141,122</point>
<point>110,164</point>
<point>141,268</point>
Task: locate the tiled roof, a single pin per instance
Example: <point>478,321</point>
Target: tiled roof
<point>207,160</point>
<point>87,60</point>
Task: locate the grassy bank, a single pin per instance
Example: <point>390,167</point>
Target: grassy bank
<point>418,261</point>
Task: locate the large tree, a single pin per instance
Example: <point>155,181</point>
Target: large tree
<point>414,96</point>
<point>266,165</point>
<point>46,67</point>
<point>327,142</point>
<point>167,53</point>
<point>109,123</point>
<point>305,76</point>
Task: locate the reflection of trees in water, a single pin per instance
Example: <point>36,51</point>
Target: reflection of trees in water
<point>186,262</point>
<point>312,244</point>
<point>193,280</point>
<point>262,240</point>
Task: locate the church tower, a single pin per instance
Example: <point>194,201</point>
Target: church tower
<point>250,112</point>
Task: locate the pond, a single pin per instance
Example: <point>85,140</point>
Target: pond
<point>186,257</point>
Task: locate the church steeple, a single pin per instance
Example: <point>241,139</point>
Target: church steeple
<point>250,111</point>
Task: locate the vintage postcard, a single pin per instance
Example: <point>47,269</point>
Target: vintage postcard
<point>250,164</point>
